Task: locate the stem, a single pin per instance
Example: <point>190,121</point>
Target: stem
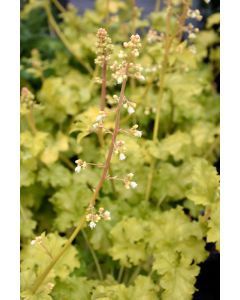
<point>107,12</point>
<point>31,121</point>
<point>134,274</point>
<point>100,274</point>
<point>120,274</point>
<point>59,6</point>
<point>56,28</point>
<point>182,19</point>
<point>134,11</point>
<point>111,148</point>
<point>81,223</point>
<point>168,43</point>
<point>157,5</point>
<point>104,88</point>
<point>41,278</point>
<point>67,161</point>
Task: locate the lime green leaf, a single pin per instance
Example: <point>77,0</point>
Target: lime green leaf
<point>27,224</point>
<point>70,204</point>
<point>37,256</point>
<point>178,278</point>
<point>213,234</point>
<point>177,145</point>
<point>55,175</point>
<point>205,183</point>
<point>128,245</point>
<point>73,288</point>
<point>143,289</point>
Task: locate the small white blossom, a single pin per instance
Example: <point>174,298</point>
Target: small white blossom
<point>207,1</point>
<point>133,184</point>
<point>119,79</point>
<point>141,77</point>
<point>131,110</point>
<point>122,156</point>
<point>95,125</point>
<point>78,169</point>
<point>92,224</point>
<point>138,133</point>
<point>99,118</point>
<point>107,215</point>
<point>37,240</point>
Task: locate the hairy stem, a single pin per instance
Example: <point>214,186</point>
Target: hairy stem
<point>81,223</point>
<point>99,270</point>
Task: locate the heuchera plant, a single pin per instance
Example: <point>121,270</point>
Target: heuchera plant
<point>98,104</point>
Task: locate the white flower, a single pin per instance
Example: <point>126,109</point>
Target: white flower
<point>92,224</point>
<point>138,133</point>
<point>133,184</point>
<point>107,215</point>
<point>37,240</point>
<point>95,126</point>
<point>99,118</point>
<point>141,77</point>
<point>131,110</point>
<point>207,1</point>
<point>122,156</point>
<point>78,169</point>
<point>119,79</point>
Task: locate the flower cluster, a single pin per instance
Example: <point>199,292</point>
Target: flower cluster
<point>80,165</point>
<point>99,119</point>
<point>127,67</point>
<point>128,182</point>
<point>133,45</point>
<point>27,98</point>
<point>191,30</point>
<point>129,105</point>
<point>153,36</point>
<point>195,14</point>
<point>94,217</point>
<point>104,46</point>
<point>119,148</point>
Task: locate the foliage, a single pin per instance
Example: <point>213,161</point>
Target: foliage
<point>151,249</point>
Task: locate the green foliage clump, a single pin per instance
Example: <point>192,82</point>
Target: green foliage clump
<point>156,238</point>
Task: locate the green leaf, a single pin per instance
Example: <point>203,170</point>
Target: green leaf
<point>143,289</point>
<point>177,145</point>
<point>73,288</point>
<point>36,257</point>
<point>128,246</point>
<point>205,183</point>
<point>55,175</point>
<point>178,278</point>
<point>213,234</point>
<point>70,204</point>
<point>27,224</point>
